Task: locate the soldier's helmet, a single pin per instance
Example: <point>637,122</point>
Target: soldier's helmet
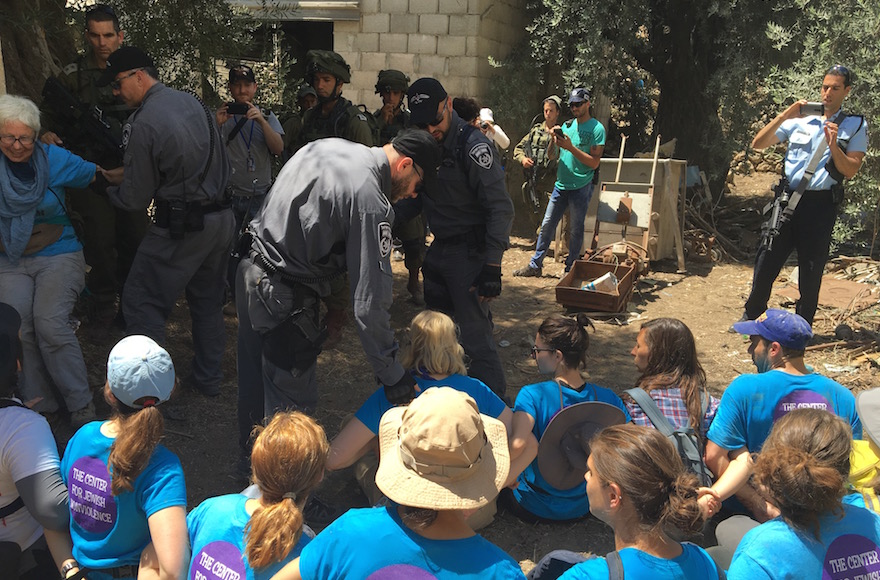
<point>392,80</point>
<point>327,61</point>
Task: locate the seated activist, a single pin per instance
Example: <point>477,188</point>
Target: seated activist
<point>440,461</point>
<point>560,351</point>
<point>34,540</point>
<point>666,355</point>
<point>638,485</point>
<point>435,358</point>
<point>126,489</point>
<point>254,538</point>
<point>803,469</point>
<point>42,270</point>
<point>753,403</point>
<point>864,473</point>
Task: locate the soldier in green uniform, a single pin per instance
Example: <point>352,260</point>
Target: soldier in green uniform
<point>536,154</point>
<point>392,118</point>
<point>306,98</point>
<point>111,236</point>
<point>334,115</point>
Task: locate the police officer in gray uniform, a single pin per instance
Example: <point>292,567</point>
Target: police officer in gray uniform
<point>470,214</point>
<point>329,212</point>
<point>174,158</point>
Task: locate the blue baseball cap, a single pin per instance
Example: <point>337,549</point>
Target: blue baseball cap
<point>787,328</point>
<point>579,95</point>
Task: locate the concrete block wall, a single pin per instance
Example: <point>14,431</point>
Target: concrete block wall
<point>450,40</point>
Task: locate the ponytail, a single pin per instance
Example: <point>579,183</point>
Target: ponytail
<point>139,433</point>
<point>569,336</point>
<point>288,462</point>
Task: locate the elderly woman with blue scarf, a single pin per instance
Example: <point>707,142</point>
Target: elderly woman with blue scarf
<point>42,270</point>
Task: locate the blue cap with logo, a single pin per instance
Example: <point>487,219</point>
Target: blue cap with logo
<point>579,95</point>
<point>787,328</point>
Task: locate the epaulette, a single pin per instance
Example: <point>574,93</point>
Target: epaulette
<point>71,68</point>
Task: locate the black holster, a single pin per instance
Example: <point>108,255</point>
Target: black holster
<point>294,345</point>
<point>179,217</point>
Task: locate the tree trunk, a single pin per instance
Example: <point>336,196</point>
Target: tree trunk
<point>35,43</point>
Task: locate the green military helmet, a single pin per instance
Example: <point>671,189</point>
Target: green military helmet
<point>392,80</point>
<point>327,61</point>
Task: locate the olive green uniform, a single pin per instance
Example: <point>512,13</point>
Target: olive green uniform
<point>111,236</point>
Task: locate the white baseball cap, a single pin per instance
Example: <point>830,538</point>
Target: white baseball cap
<point>140,372</point>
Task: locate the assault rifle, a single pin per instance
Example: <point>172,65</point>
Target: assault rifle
<point>82,118</point>
<point>778,215</point>
<point>530,186</point>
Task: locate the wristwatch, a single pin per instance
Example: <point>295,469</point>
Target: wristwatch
<point>68,566</point>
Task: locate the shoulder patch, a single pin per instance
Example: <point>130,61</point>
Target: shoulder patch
<point>362,117</point>
<point>384,239</point>
<point>126,133</point>
<point>482,155</point>
<point>71,68</point>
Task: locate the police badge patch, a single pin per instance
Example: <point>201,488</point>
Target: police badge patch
<point>384,239</point>
<point>126,133</point>
<point>482,155</point>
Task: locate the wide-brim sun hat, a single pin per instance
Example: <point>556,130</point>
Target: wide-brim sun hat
<point>440,453</point>
<point>868,408</point>
<point>564,447</point>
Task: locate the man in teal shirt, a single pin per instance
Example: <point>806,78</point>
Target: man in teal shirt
<point>581,142</point>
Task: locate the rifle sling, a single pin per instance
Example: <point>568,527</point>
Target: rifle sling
<point>795,198</point>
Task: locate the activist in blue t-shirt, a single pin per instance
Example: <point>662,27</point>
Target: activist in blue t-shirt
<point>435,358</point>
<point>752,404</point>
<point>638,485</point>
<point>440,460</point>
<point>113,518</point>
<point>804,467</point>
<point>232,536</point>
<point>560,350</point>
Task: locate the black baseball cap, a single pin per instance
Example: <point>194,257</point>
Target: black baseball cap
<point>424,97</point>
<point>421,147</point>
<point>240,72</point>
<point>123,59</point>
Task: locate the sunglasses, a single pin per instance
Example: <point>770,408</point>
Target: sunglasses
<point>436,121</point>
<point>115,85</point>
<point>577,105</point>
<point>840,70</point>
<point>536,350</point>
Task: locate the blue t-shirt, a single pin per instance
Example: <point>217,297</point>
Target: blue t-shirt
<point>488,403</point>
<point>804,134</point>
<point>692,564</point>
<point>571,173</point>
<point>374,543</point>
<point>65,170</point>
<point>541,401</point>
<point>848,549</point>
<point>753,403</point>
<point>109,531</point>
<point>216,536</point>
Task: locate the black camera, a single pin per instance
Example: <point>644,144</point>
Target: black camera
<point>234,108</point>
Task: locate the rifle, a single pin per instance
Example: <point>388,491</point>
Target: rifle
<point>778,215</point>
<point>529,187</point>
<point>80,116</point>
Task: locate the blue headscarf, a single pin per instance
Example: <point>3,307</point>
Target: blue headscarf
<point>19,199</point>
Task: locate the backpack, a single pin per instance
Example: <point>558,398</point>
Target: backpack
<point>864,468</point>
<point>683,438</point>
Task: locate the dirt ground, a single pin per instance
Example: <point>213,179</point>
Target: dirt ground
<point>708,298</point>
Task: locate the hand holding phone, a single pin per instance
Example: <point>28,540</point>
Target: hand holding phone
<point>234,108</point>
<point>812,109</point>
<point>558,132</point>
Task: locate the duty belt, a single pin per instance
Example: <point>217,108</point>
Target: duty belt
<point>471,238</point>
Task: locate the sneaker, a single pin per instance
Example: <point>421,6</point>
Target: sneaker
<point>743,318</point>
<point>398,256</point>
<point>318,513</point>
<point>528,272</point>
<point>82,416</point>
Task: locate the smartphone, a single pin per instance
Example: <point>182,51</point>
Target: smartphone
<point>813,109</point>
<point>234,108</point>
<point>558,132</point>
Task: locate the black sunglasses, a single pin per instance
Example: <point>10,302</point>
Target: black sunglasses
<point>436,121</point>
<point>840,70</point>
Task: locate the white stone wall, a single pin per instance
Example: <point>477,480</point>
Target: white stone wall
<point>450,40</point>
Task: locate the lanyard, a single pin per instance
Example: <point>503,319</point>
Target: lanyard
<point>250,137</point>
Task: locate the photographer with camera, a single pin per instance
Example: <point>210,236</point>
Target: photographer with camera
<point>581,142</point>
<point>252,137</point>
<point>825,146</point>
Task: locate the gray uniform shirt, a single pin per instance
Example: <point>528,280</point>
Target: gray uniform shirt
<point>167,147</point>
<point>469,192</point>
<point>249,177</point>
<point>328,211</point>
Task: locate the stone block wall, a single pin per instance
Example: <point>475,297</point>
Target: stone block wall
<point>450,40</point>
